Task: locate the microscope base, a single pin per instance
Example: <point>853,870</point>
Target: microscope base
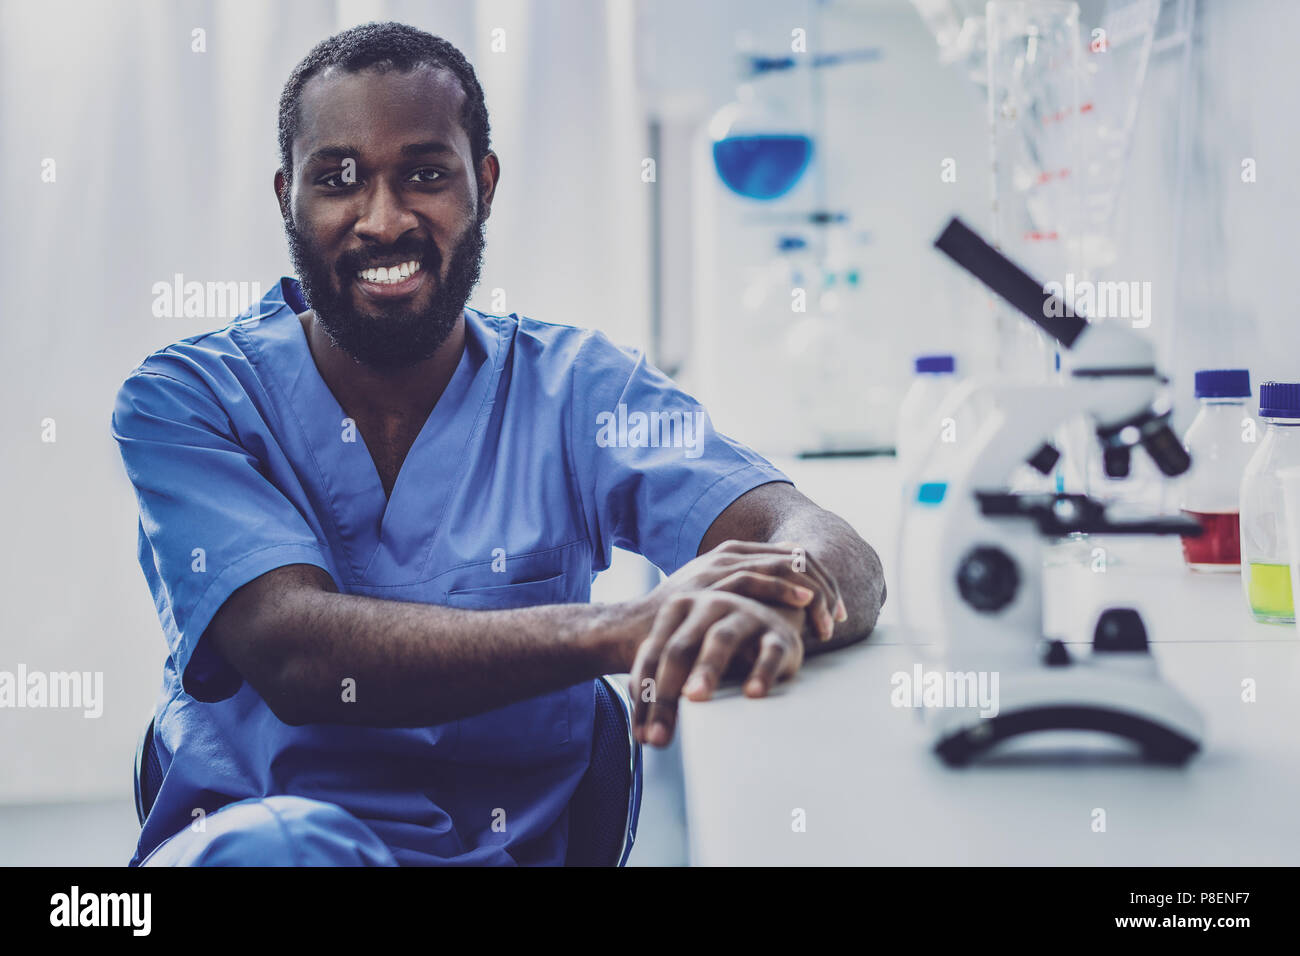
<point>1136,706</point>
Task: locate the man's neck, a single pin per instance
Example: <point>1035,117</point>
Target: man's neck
<point>400,395</point>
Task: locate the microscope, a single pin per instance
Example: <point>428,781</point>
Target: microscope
<point>971,549</point>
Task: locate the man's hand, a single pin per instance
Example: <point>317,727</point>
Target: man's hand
<point>697,638</point>
<point>743,609</point>
<point>777,573</point>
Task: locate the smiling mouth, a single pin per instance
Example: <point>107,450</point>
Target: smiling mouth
<point>390,275</point>
<point>387,281</point>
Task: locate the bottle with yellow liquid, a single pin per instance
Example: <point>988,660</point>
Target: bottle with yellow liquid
<point>1265,553</point>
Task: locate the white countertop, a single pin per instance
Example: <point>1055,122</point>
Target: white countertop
<point>830,744</point>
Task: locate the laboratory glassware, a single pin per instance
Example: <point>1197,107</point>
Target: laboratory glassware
<point>843,383</point>
<point>1034,53</point>
<point>763,141</point>
<point>1220,442</point>
<point>1265,553</point>
<point>958,28</point>
<point>1290,478</point>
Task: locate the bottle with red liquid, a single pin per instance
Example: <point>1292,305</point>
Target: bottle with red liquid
<point>1221,441</point>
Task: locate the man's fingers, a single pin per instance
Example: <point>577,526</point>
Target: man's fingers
<point>773,661</point>
<point>834,600</point>
<point>646,666</point>
<point>792,555</point>
<point>834,603</point>
<point>755,547</point>
<point>769,588</point>
<point>821,610</point>
<point>675,660</point>
<point>721,643</point>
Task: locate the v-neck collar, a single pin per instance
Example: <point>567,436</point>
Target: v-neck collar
<point>386,539</point>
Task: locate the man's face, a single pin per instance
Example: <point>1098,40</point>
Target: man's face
<point>384,178</point>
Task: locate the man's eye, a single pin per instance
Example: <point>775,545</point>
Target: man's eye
<point>337,180</point>
<point>426,175</point>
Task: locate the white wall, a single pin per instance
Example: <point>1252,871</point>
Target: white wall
<point>1235,293</point>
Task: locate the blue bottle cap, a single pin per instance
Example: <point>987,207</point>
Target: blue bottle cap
<point>935,364</point>
<point>1279,400</point>
<point>1223,383</point>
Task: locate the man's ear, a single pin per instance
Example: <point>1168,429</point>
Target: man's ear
<point>489,174</point>
<point>282,193</point>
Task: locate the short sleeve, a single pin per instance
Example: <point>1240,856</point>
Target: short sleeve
<point>210,520</point>
<point>653,471</point>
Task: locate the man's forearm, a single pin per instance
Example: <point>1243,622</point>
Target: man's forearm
<point>414,665</point>
<point>850,560</point>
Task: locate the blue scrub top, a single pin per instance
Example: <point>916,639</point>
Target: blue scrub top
<point>243,461</point>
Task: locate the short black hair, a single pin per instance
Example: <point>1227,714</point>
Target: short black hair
<point>384,46</point>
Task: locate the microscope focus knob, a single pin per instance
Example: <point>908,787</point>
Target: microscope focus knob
<point>988,579</point>
<point>1119,629</point>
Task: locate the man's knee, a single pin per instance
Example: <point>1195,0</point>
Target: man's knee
<point>275,831</point>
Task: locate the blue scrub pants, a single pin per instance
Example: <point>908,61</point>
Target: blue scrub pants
<point>275,831</point>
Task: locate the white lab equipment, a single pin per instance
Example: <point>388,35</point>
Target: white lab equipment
<point>1265,552</point>
<point>1220,443</point>
<point>918,424</point>
<point>972,568</point>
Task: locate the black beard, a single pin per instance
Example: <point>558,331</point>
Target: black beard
<point>398,337</point>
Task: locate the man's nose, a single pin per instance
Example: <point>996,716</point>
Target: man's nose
<point>385,216</point>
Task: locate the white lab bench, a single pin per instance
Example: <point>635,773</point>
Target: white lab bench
<point>871,791</point>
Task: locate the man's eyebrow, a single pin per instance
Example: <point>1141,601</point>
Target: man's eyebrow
<point>419,149</point>
<point>328,153</point>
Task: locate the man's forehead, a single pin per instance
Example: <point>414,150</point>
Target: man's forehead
<point>372,108</point>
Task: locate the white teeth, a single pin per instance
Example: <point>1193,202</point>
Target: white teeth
<point>390,274</point>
